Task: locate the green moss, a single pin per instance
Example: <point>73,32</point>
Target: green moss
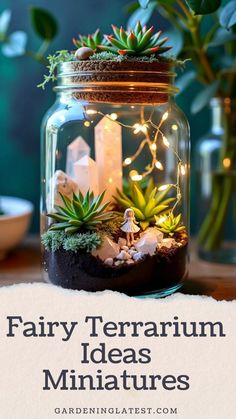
<point>108,56</point>
<point>54,240</point>
<point>111,227</point>
<point>81,241</point>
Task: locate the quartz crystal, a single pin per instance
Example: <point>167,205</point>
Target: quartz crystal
<point>75,151</point>
<point>60,183</point>
<point>86,175</point>
<point>108,149</point>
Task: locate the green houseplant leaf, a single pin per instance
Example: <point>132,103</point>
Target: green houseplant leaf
<point>15,45</point>
<point>141,14</point>
<point>203,7</point>
<point>5,18</point>
<point>144,3</point>
<point>203,98</point>
<point>43,23</point>
<point>185,80</point>
<point>228,15</point>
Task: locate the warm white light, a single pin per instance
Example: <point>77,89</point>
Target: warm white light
<point>162,220</point>
<point>153,147</point>
<point>139,127</point>
<point>127,161</point>
<point>174,127</point>
<point>182,169</point>
<point>87,124</point>
<point>165,116</point>
<point>114,116</point>
<point>135,175</point>
<point>110,180</point>
<point>166,142</point>
<point>227,163</point>
<point>163,187</point>
<point>91,112</point>
<point>159,165</point>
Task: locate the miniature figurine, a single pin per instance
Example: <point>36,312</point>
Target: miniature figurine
<point>129,226</point>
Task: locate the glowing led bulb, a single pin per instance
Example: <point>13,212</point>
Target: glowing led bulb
<point>87,124</point>
<point>162,220</point>
<point>227,163</point>
<point>114,116</point>
<point>165,116</point>
<point>135,175</point>
<point>153,147</point>
<point>174,127</point>
<point>182,169</point>
<point>163,187</point>
<point>166,142</point>
<point>159,165</point>
<point>91,112</point>
<point>127,161</point>
<point>139,127</point>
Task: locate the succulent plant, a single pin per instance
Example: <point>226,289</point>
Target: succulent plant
<point>80,212</point>
<point>90,41</point>
<point>140,41</point>
<point>170,224</point>
<point>145,204</point>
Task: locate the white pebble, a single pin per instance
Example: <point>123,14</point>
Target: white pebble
<point>125,248</point>
<point>138,256</point>
<point>118,262</point>
<point>129,262</point>
<point>123,255</point>
<point>109,261</point>
<point>132,253</point>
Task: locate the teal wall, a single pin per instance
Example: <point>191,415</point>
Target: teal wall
<point>22,105</point>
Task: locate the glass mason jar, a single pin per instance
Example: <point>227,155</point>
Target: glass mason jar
<point>115,130</point>
<point>216,185</point>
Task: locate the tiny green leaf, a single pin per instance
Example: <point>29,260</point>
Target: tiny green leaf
<point>43,23</point>
<point>144,3</point>
<point>228,15</point>
<point>203,98</point>
<point>203,7</point>
<point>185,80</point>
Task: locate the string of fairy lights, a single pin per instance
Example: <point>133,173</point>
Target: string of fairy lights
<point>152,144</point>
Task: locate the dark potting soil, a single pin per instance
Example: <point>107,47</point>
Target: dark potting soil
<point>83,271</point>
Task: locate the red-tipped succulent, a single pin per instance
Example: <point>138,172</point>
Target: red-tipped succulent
<point>138,42</point>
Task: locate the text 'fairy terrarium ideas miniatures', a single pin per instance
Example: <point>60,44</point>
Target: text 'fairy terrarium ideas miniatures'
<point>115,167</point>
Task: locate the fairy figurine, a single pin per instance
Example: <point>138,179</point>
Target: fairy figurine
<point>129,226</point>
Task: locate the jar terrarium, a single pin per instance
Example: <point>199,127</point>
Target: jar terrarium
<point>115,165</point>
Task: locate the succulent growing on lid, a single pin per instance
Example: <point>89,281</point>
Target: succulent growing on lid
<point>140,41</point>
<point>90,41</point>
<point>80,212</point>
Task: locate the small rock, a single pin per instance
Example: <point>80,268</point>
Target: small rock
<point>122,242</point>
<point>132,252</point>
<point>168,242</point>
<point>60,183</point>
<point>153,232</point>
<point>148,241</point>
<point>125,248</point>
<point>109,261</point>
<point>123,255</point>
<point>138,256</point>
<point>109,249</point>
<point>119,262</point>
<point>83,53</point>
<point>129,262</point>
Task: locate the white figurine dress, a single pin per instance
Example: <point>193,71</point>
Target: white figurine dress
<point>129,226</point>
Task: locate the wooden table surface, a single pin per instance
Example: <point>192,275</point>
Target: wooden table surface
<point>217,281</point>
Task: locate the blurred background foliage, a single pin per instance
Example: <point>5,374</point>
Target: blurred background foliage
<point>23,105</point>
